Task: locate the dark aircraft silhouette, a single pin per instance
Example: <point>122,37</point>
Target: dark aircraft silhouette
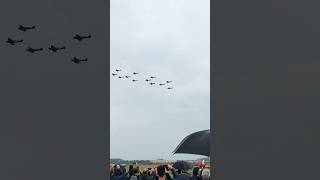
<point>161,84</point>
<point>135,73</point>
<point>120,77</point>
<point>134,80</point>
<point>127,76</point>
<point>152,77</point>
<point>77,60</point>
<point>168,81</point>
<point>114,74</point>
<point>34,50</point>
<point>170,88</point>
<point>55,49</point>
<point>13,42</point>
<point>147,80</point>
<point>152,83</point>
<point>25,28</point>
<point>118,70</point>
<point>79,38</point>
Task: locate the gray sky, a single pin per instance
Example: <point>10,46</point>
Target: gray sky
<point>170,40</point>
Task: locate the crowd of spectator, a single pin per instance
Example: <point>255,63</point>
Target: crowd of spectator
<point>161,172</point>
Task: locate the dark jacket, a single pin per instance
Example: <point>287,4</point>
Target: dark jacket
<point>183,176</point>
<point>195,178</point>
<point>119,177</point>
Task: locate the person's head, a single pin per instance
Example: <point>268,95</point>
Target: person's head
<point>205,174</point>
<point>130,170</point>
<point>195,171</point>
<point>161,170</point>
<point>118,172</point>
<point>123,169</point>
<point>154,172</point>
<point>111,170</point>
<point>135,170</point>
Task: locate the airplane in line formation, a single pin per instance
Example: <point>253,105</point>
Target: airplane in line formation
<point>25,28</point>
<point>78,60</point>
<point>32,50</point>
<point>13,42</point>
<point>51,47</point>
<point>149,80</point>
<point>80,38</point>
<point>55,49</point>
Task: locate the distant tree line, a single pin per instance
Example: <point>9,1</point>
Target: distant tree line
<point>121,161</point>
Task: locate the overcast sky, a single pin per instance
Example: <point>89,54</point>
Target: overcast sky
<point>169,39</point>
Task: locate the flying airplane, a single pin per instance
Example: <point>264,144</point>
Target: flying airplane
<point>134,80</point>
<point>170,88</point>
<point>79,38</point>
<point>120,77</point>
<point>77,60</point>
<point>168,81</point>
<point>161,84</point>
<point>25,28</point>
<point>34,50</point>
<point>147,80</point>
<point>114,74</point>
<point>152,77</point>
<point>118,70</point>
<point>13,42</point>
<point>55,49</point>
<point>152,83</point>
<point>135,73</point>
<point>127,76</point>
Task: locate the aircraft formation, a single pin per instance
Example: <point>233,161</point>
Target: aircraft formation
<point>52,48</point>
<point>135,77</point>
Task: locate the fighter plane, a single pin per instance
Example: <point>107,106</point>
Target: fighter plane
<point>79,38</point>
<point>55,49</point>
<point>78,60</point>
<point>152,77</point>
<point>120,77</point>
<point>147,80</point>
<point>114,74</point>
<point>161,84</point>
<point>118,70</point>
<point>170,88</point>
<point>168,81</point>
<point>13,42</point>
<point>34,50</point>
<point>135,73</point>
<point>25,28</point>
<point>152,83</point>
<point>127,76</point>
<point>134,80</point>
